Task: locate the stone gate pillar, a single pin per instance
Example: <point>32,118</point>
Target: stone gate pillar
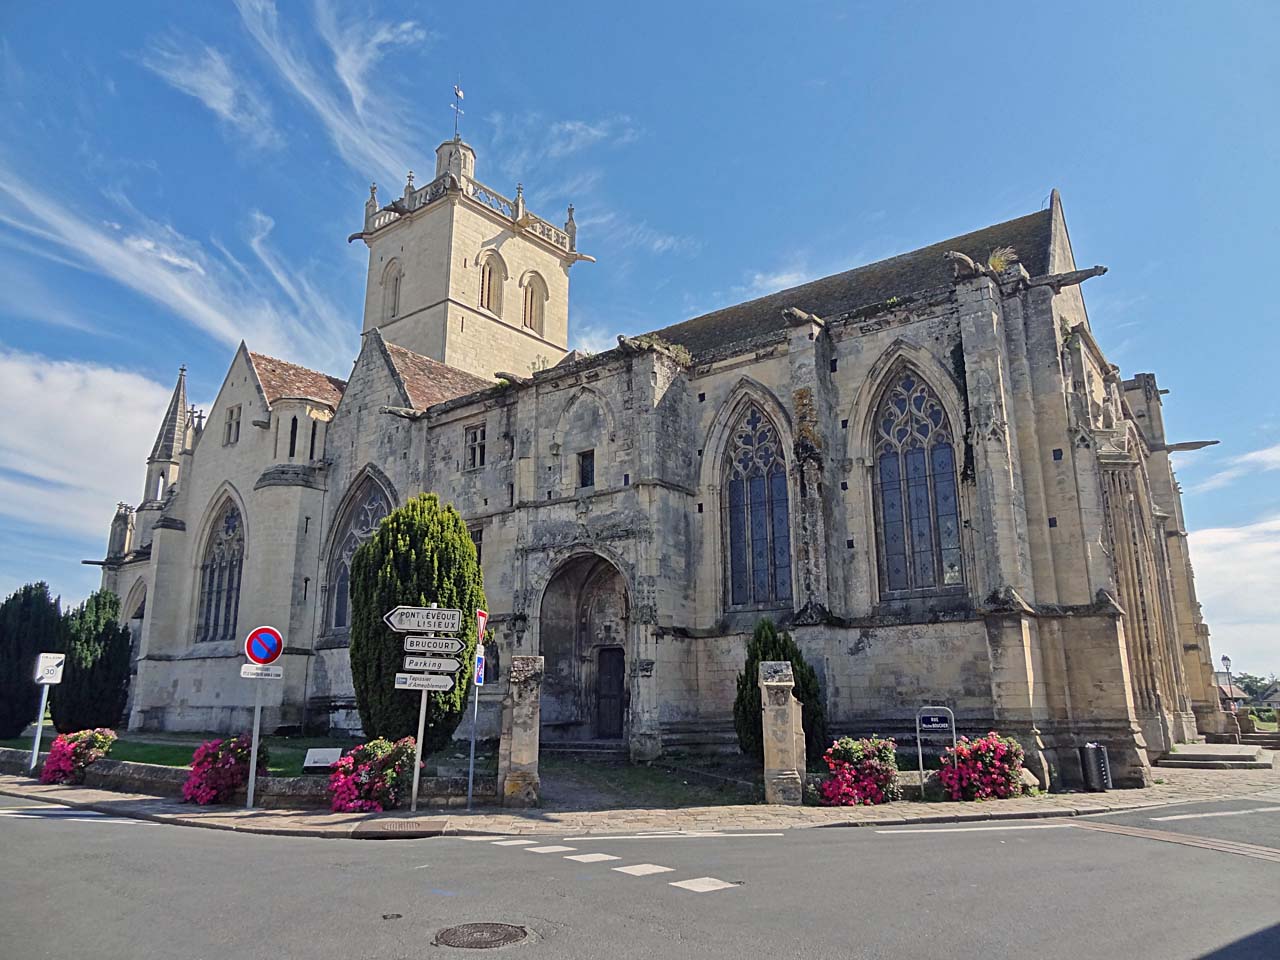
<point>518,780</point>
<point>784,755</point>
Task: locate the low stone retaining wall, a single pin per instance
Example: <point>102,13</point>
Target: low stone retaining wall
<point>271,792</point>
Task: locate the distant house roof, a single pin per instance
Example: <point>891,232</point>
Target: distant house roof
<point>1235,692</point>
<point>923,269</point>
<point>280,378</point>
<point>1271,693</point>
<point>428,382</point>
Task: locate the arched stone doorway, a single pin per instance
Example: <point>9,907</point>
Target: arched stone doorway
<point>583,635</point>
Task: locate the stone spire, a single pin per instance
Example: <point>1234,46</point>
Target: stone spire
<point>173,429</point>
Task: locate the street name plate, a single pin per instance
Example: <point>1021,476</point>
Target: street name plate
<point>935,723</point>
<point>438,682</point>
<point>259,671</point>
<point>424,619</point>
<point>433,664</point>
<point>433,645</point>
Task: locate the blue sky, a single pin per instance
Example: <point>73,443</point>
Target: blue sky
<point>174,177</point>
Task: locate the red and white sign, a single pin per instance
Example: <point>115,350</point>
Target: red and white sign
<point>264,645</point>
<point>482,619</point>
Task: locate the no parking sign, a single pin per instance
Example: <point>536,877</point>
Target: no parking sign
<point>264,645</point>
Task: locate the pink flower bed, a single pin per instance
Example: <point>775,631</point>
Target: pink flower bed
<point>72,752</point>
<point>988,768</point>
<point>373,777</point>
<point>219,768</point>
<point>863,772</point>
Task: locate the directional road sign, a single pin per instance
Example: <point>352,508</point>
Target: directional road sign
<point>440,682</point>
<point>49,668</point>
<point>261,671</point>
<point>425,619</point>
<point>264,645</point>
<point>433,664</point>
<point>433,645</point>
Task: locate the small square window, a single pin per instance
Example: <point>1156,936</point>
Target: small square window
<point>702,398</point>
<point>844,424</point>
<point>587,468</point>
<point>1057,453</point>
<point>474,439</point>
<point>477,537</point>
<point>844,484</point>
<point>849,544</point>
<point>835,362</point>
<point>626,479</point>
<point>1053,521</point>
<point>699,508</point>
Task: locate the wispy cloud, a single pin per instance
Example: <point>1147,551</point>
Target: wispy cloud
<point>762,282</point>
<point>374,133</point>
<point>269,304</point>
<point>206,74</point>
<point>1256,461</point>
<point>86,410</point>
<point>612,227</point>
<point>1236,573</point>
<point>524,146</point>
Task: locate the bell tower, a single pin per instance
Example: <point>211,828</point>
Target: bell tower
<point>465,275</point>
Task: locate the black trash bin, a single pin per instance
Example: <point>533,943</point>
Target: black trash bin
<point>1097,768</point>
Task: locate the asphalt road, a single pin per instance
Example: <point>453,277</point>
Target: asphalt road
<point>75,885</point>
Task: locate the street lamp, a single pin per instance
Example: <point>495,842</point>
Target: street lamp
<point>1226,665</point>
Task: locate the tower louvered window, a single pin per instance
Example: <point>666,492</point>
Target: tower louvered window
<point>917,504</point>
<point>757,513</point>
<point>220,577</point>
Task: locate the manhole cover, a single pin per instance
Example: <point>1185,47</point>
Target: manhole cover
<point>481,936</point>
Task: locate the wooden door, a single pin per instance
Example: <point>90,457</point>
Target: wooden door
<point>610,679</point>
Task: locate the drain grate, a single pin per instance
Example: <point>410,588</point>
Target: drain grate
<point>481,936</point>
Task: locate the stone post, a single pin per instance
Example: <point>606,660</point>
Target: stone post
<point>518,781</point>
<point>784,748</point>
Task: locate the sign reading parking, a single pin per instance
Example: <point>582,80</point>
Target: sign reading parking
<point>49,668</point>
<point>264,645</point>
<point>424,619</point>
<point>433,664</point>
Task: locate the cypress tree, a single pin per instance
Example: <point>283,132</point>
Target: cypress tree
<point>767,643</point>
<point>95,681</point>
<point>29,625</point>
<point>421,554</point>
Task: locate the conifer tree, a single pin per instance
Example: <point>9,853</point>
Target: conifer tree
<point>421,554</point>
<point>29,625</point>
<point>95,681</point>
<point>767,643</point>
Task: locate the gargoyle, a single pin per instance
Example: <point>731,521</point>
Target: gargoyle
<point>964,266</point>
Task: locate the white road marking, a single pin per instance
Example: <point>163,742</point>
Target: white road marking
<point>481,836</point>
<point>48,814</point>
<point>593,857</point>
<point>674,835</point>
<point>703,884</point>
<point>513,843</point>
<point>643,869</point>
<point>1218,813</point>
<point>76,816</point>
<point>924,829</point>
<point>551,849</point>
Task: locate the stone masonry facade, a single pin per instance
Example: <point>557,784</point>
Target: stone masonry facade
<point>925,468</point>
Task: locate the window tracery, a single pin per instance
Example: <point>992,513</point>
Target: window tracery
<point>223,563</point>
<point>368,508</point>
<point>757,512</point>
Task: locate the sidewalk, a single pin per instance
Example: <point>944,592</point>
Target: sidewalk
<point>1179,786</point>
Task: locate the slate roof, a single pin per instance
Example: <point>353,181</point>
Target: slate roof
<point>428,381</point>
<point>908,273</point>
<point>173,428</point>
<point>280,378</point>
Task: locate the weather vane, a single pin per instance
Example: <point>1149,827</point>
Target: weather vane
<point>457,108</point>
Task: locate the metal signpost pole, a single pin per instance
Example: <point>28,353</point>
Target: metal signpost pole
<point>482,619</point>
<point>253,757</point>
<point>417,746</point>
<point>35,743</point>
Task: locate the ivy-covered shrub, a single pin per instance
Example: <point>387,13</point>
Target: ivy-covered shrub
<point>863,772</point>
<point>987,768</point>
<point>767,643</point>
<point>373,777</point>
<point>219,768</point>
<point>72,752</point>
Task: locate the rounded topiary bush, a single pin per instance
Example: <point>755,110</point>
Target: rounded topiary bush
<point>862,772</point>
<point>988,768</point>
<point>767,643</point>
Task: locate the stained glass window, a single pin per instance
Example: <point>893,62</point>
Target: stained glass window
<point>917,505</point>
<point>219,604</point>
<point>367,509</point>
<point>757,513</point>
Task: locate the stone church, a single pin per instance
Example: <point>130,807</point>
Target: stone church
<point>925,468</point>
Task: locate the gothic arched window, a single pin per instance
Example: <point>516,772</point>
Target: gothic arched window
<point>917,508</point>
<point>493,272</point>
<point>220,577</point>
<point>391,281</point>
<point>757,513</point>
<point>535,299</point>
<point>365,512</point>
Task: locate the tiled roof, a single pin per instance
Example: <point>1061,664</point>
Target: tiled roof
<point>428,381</point>
<point>908,273</point>
<point>280,378</point>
